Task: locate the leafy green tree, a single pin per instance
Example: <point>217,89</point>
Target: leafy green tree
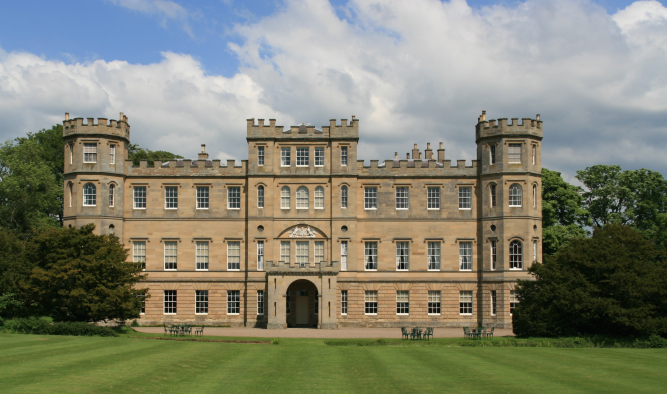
<point>613,283</point>
<point>80,276</point>
<point>136,154</point>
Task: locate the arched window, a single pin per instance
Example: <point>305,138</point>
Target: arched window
<point>319,197</point>
<point>260,196</point>
<point>493,194</point>
<point>89,195</point>
<point>302,198</point>
<point>69,186</point>
<point>516,256</point>
<point>112,188</point>
<point>515,195</point>
<point>343,197</point>
<point>534,196</point>
<point>112,228</point>
<point>284,197</point>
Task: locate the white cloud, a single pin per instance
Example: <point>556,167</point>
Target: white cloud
<point>163,9</point>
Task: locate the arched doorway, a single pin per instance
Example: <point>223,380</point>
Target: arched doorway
<point>302,304</point>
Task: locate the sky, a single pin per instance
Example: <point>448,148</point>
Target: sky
<point>187,73</point>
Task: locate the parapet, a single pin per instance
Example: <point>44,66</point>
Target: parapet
<point>417,168</point>
<point>113,127</point>
<point>492,128</point>
<point>187,167</point>
<point>343,130</point>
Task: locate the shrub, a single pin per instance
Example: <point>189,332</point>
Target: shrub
<point>33,325</point>
<point>275,341</point>
<point>134,323</point>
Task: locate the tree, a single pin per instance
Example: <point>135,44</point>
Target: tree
<point>80,276</point>
<point>613,283</point>
<point>136,154</point>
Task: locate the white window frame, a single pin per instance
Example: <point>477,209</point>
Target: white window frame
<point>402,302</point>
<point>285,252</point>
<point>70,187</point>
<point>201,255</point>
<point>260,155</point>
<point>302,201</point>
<point>465,302</point>
<point>516,255</point>
<point>139,253</point>
<point>233,302</point>
<point>370,197</point>
<point>260,196</point>
<point>139,197</point>
<point>515,193</point>
<point>493,193</point>
<point>302,156</point>
<point>319,157</point>
<point>343,155</point>
<point>402,197</point>
<point>90,152</point>
<point>433,198</point>
<point>319,197</point>
<point>371,302</point>
<point>112,190</point>
<point>343,255</point>
<point>433,255</point>
<point>402,255</point>
<point>260,302</point>
<point>202,195</point>
<point>71,153</point>
<point>112,154</point>
<point>534,250</point>
<point>170,255</point>
<point>534,196</point>
<point>319,252</point>
<point>233,255</point>
<point>371,256</point>
<point>201,302</point>
<point>494,255</point>
<point>434,303</point>
<point>302,253</point>
<point>343,302</point>
<point>89,199</point>
<point>260,255</point>
<point>170,302</point>
<point>513,301</point>
<point>534,153</point>
<point>465,197</point>
<point>492,154</point>
<point>285,157</point>
<point>514,153</point>
<point>171,197</point>
<point>285,197</point>
<point>343,196</point>
<point>234,201</point>
<point>465,256</point>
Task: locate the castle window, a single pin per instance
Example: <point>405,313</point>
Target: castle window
<point>402,197</point>
<point>170,302</point>
<point>534,250</point>
<point>171,197</point>
<point>343,197</point>
<point>201,302</point>
<point>71,153</point>
<point>343,255</point>
<point>534,153</point>
<point>260,302</point>
<point>260,196</point>
<point>69,187</point>
<point>319,251</point>
<point>139,197</point>
<point>494,258</point>
<point>343,302</point>
<point>494,303</point>
<point>513,301</point>
<point>202,197</point>
<point>302,253</point>
<point>302,157</point>
<point>202,255</point>
<point>371,256</point>
<point>143,306</point>
<point>343,155</point>
<point>90,153</point>
<point>370,197</point>
<point>465,256</point>
<point>170,255</point>
<point>302,197</point>
<point>285,157</point>
<point>433,197</point>
<point>433,302</point>
<point>260,255</point>
<point>514,151</point>
<point>465,197</point>
<point>139,253</point>
<point>516,255</point>
<point>260,155</point>
<point>285,251</point>
<point>402,302</point>
<point>233,302</point>
<point>233,256</point>
<point>492,188</point>
<point>515,195</point>
<point>112,154</point>
<point>402,256</point>
<point>371,302</point>
<point>234,197</point>
<point>285,198</point>
<point>89,195</point>
<point>319,197</point>
<point>433,256</point>
<point>112,187</point>
<point>534,196</point>
<point>465,302</point>
<point>319,157</point>
<point>492,157</point>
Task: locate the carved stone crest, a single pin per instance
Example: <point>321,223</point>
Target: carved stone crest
<point>302,232</point>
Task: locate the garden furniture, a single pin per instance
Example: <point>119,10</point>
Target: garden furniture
<point>428,334</point>
<point>404,333</point>
<point>199,331</point>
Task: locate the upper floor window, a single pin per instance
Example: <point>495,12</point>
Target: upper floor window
<point>402,197</point>
<point>465,197</point>
<point>234,197</point>
<point>112,154</point>
<point>494,256</point>
<point>139,197</point>
<point>343,255</point>
<point>319,197</point>
<point>370,197</point>
<point>371,256</point>
<point>202,197</point>
<point>534,196</point>
<point>69,187</point>
<point>260,155</point>
<point>90,153</point>
<point>433,256</point>
<point>492,156</point>
<point>171,197</point>
<point>71,153</point>
<point>465,256</point>
<point>170,255</point>
<point>343,155</point>
<point>285,157</point>
<point>89,195</point>
<point>285,198</point>
<point>260,255</point>
<point>516,255</point>
<point>515,195</point>
<point>302,197</point>
<point>433,197</point>
<point>285,251</point>
<point>302,157</point>
<point>112,188</point>
<point>233,256</point>
<point>492,189</point>
<point>319,157</point>
<point>343,197</point>
<point>202,255</point>
<point>302,253</point>
<point>514,151</point>
<point>260,196</point>
<point>139,253</point>
<point>534,153</point>
<point>319,251</point>
<point>402,256</point>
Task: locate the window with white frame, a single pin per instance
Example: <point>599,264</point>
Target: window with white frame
<point>494,303</point>
<point>171,197</point>
<point>302,197</point>
<point>139,253</point>
<point>302,253</point>
<point>434,302</point>
<point>302,157</point>
<point>494,256</point>
<point>343,302</point>
<point>319,197</point>
<point>260,196</point>
<point>233,255</point>
<point>433,250</point>
<point>534,153</point>
<point>371,302</point>
<point>89,195</point>
<point>371,256</point>
<point>319,157</point>
<point>402,302</point>
<point>71,154</point>
<point>202,255</point>
<point>234,197</point>
<point>492,158</point>
<point>513,301</point>
<point>139,197</point>
<point>534,250</point>
<point>201,302</point>
<point>343,255</point>
<point>285,251</point>
<point>343,197</point>
<point>370,197</point>
<point>90,153</point>
<point>170,300</point>
<point>343,155</point>
<point>319,251</point>
<point>402,197</point>
<point>112,154</point>
<point>515,194</point>
<point>433,197</point>
<point>285,198</point>
<point>170,255</point>
<point>514,153</point>
<point>260,302</point>
<point>465,197</point>
<point>516,255</point>
<point>69,187</point>
<point>534,196</point>
<point>465,302</point>
<point>112,189</point>
<point>233,302</point>
<point>492,189</point>
<point>260,155</point>
<point>465,256</point>
<point>402,256</point>
<point>202,197</point>
<point>260,255</point>
<point>285,157</point>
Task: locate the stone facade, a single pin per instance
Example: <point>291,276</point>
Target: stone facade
<point>322,240</point>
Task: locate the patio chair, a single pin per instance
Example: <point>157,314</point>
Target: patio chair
<point>187,329</point>
<point>404,333</point>
<point>199,331</point>
<point>428,334</point>
<point>416,333</point>
<point>489,333</point>
<point>166,329</point>
<point>466,332</point>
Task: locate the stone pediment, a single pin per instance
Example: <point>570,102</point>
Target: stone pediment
<point>302,231</point>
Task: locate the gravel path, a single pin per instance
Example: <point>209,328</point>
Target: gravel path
<point>314,333</point>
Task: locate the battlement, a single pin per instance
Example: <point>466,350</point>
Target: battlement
<point>186,167</point>
<point>416,168</point>
<point>343,130</point>
<point>501,127</point>
<point>119,128</point>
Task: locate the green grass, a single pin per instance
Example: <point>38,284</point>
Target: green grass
<point>134,363</point>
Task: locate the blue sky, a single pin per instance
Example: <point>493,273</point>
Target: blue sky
<point>593,69</point>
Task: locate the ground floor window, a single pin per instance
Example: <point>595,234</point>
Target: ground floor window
<point>201,301</point>
<point>233,302</point>
<point>170,302</point>
<point>143,306</point>
<point>343,302</point>
<point>513,301</point>
<point>433,302</point>
<point>403,302</point>
<point>465,302</point>
<point>494,299</point>
<point>371,302</point>
<point>260,302</point>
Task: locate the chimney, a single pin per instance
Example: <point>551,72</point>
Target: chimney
<point>538,116</point>
<point>441,154</point>
<point>415,152</point>
<point>203,155</point>
<point>483,115</point>
<point>407,155</point>
<point>428,152</point>
<point>66,115</point>
<point>121,117</point>
<point>395,155</point>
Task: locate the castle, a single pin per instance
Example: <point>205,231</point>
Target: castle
<point>303,234</point>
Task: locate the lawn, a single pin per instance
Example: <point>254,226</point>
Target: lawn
<point>36,363</point>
